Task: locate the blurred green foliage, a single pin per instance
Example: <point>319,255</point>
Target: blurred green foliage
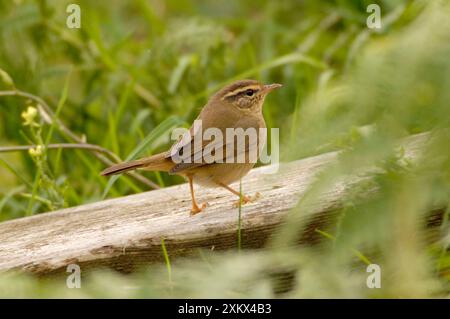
<point>134,64</point>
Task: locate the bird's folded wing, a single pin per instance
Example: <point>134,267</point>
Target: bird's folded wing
<point>186,155</point>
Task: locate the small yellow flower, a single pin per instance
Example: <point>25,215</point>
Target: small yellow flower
<point>35,152</point>
<point>29,116</point>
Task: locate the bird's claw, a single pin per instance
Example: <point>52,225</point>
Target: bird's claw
<point>246,199</point>
<point>195,209</point>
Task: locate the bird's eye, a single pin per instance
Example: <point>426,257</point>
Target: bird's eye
<point>249,92</point>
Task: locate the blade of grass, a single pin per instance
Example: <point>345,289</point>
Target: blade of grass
<point>444,250</point>
<point>295,115</point>
<point>58,161</point>
<point>123,100</point>
<point>12,170</point>
<point>167,261</point>
<point>9,195</point>
<point>356,252</point>
<point>61,102</point>
<point>177,74</point>
<point>94,33</point>
<point>40,199</point>
<point>113,133</point>
<point>115,119</point>
<point>239,235</point>
<point>159,179</point>
<point>29,211</point>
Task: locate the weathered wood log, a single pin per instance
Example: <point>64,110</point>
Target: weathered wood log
<point>126,232</point>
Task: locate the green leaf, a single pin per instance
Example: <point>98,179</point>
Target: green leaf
<point>61,102</point>
<point>177,74</point>
<point>6,78</point>
<point>12,170</point>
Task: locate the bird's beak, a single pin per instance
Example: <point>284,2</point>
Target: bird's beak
<point>270,87</point>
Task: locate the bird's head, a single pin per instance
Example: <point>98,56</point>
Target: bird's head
<point>246,94</point>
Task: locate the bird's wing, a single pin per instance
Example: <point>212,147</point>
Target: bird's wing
<point>187,156</point>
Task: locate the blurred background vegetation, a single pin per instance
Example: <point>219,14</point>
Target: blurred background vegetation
<point>137,69</point>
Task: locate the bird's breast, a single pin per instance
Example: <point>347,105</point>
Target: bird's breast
<point>225,173</point>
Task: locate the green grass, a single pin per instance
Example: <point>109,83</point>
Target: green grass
<point>139,68</point>
<point>239,228</point>
<point>167,261</point>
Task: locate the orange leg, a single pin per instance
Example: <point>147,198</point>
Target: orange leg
<point>195,208</point>
<point>244,200</point>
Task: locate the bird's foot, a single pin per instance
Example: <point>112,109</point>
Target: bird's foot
<point>196,209</point>
<point>246,199</point>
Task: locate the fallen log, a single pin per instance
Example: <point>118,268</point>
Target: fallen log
<point>126,232</point>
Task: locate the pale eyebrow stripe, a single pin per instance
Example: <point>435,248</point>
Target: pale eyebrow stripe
<point>240,90</point>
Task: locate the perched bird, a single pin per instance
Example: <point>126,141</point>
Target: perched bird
<point>236,106</point>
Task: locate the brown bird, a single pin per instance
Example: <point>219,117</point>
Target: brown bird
<point>237,106</point>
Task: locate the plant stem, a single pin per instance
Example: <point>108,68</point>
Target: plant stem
<point>239,235</point>
<point>91,147</point>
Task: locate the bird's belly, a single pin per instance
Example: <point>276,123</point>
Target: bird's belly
<point>225,173</point>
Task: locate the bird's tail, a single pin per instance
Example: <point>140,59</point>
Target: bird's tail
<point>158,162</point>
